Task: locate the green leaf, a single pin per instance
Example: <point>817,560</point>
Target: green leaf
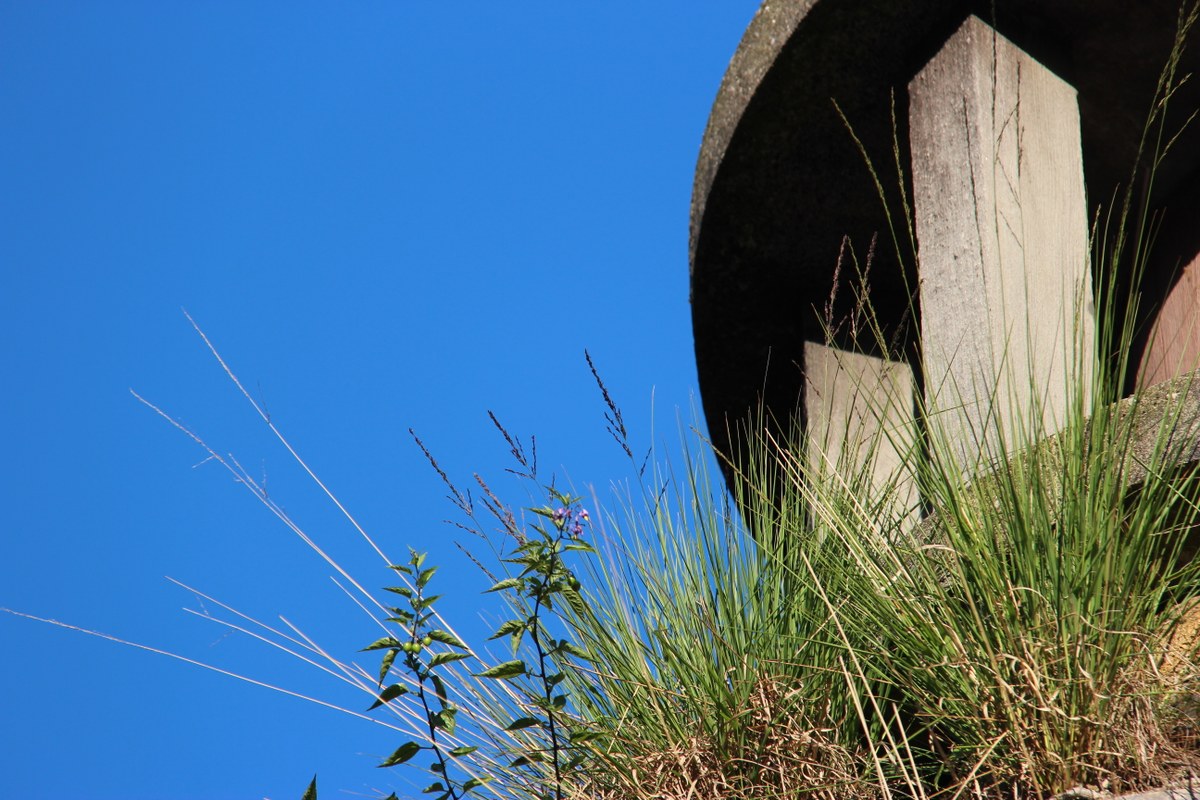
<point>403,753</point>
<point>311,792</point>
<point>571,649</point>
<point>446,658</point>
<point>581,547</point>
<point>439,688</point>
<point>433,787</point>
<point>446,638</point>
<point>575,762</point>
<point>522,723</point>
<point>575,601</point>
<point>403,591</point>
<point>507,583</point>
<point>476,782</point>
<point>447,719</point>
<point>510,627</point>
<point>389,694</point>
<point>583,736</point>
<point>509,669</point>
<point>465,750</point>
<point>386,643</point>
<point>388,659</point>
<point>551,706</point>
<point>400,568</point>
<point>417,559</point>
<point>424,577</point>
<point>425,602</point>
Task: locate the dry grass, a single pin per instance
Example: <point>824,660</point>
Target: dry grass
<point>781,751</point>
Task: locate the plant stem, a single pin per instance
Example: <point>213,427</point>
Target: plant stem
<point>541,654</point>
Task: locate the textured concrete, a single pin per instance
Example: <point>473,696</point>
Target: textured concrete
<point>860,419</point>
<point>779,180</point>
<point>1005,283</point>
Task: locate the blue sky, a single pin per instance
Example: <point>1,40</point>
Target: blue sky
<point>386,215</point>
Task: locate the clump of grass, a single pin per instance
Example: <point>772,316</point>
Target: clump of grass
<point>1016,645</point>
<point>1019,653</point>
<point>713,672</point>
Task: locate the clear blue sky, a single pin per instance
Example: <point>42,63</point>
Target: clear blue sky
<point>385,214</point>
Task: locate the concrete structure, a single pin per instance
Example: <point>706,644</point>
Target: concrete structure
<point>1005,285</point>
<point>781,182</point>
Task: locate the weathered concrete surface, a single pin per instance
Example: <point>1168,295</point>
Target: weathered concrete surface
<point>779,181</point>
<point>1007,313</point>
<point>860,420</point>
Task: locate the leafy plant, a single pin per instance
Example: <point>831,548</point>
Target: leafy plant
<point>417,644</point>
<point>543,580</point>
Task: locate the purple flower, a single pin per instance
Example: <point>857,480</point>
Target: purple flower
<point>560,516</point>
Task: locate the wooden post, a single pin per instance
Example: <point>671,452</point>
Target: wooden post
<point>1007,316</point>
<point>859,412</point>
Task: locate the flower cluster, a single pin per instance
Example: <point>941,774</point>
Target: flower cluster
<point>570,520</point>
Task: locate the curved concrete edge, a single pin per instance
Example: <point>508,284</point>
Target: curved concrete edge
<point>772,26</point>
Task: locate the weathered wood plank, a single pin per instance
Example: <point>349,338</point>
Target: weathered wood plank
<point>1007,312</point>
